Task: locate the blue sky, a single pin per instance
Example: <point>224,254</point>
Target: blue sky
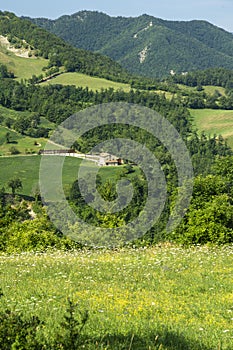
<point>218,12</point>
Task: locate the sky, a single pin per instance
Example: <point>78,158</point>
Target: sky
<point>218,12</point>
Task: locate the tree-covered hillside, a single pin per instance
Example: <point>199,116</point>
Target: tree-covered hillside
<point>147,45</point>
<point>30,110</point>
<point>40,43</point>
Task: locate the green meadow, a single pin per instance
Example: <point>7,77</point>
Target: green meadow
<point>214,121</point>
<point>209,89</point>
<point>22,67</point>
<point>27,168</point>
<point>160,298</point>
<point>24,144</point>
<point>82,80</point>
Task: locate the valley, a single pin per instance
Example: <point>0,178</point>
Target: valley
<point>145,266</point>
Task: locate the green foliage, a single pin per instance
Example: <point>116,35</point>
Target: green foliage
<point>57,51</point>
<point>17,333</point>
<point>20,333</point>
<point>8,137</point>
<point>4,73</point>
<point>223,166</point>
<point>194,45</point>
<point>211,76</point>
<point>13,150</point>
<point>15,184</point>
<point>72,326</point>
<point>57,102</point>
<point>204,150</point>
<point>209,218</point>
<point>128,169</point>
<point>32,235</point>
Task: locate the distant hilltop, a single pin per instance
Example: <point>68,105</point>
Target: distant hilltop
<point>146,45</point>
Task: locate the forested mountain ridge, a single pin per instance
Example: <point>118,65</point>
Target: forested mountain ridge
<point>41,43</point>
<point>146,45</point>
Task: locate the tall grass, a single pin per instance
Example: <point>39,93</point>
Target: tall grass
<point>164,297</point>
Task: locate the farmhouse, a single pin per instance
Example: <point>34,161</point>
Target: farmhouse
<point>102,159</point>
<point>114,162</point>
<point>108,159</point>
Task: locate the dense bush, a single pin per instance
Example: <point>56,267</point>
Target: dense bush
<point>20,333</point>
<point>209,218</point>
<point>20,232</point>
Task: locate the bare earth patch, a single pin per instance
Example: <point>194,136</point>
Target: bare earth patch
<point>22,52</point>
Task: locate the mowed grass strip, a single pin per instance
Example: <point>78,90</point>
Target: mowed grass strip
<point>82,80</point>
<point>214,121</point>
<point>180,298</point>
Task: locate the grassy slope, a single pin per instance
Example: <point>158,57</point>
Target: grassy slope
<point>23,144</point>
<point>214,121</point>
<point>12,114</point>
<point>209,89</point>
<point>181,298</point>
<point>27,169</point>
<point>82,80</point>
<point>23,68</point>
<point>17,140</point>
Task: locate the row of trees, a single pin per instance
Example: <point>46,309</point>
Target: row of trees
<point>212,76</point>
<point>57,102</point>
<point>27,125</point>
<point>200,99</point>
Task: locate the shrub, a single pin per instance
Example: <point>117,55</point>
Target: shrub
<point>13,150</point>
<point>20,333</point>
<point>17,332</point>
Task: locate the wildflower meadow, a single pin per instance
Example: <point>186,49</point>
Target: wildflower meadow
<point>165,297</point>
